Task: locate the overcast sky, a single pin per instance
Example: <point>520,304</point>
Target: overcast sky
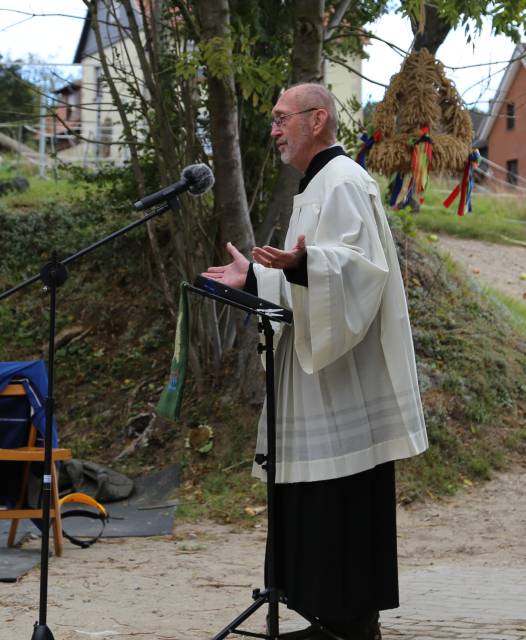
<point>54,38</point>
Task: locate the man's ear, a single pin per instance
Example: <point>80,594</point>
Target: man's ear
<point>320,121</point>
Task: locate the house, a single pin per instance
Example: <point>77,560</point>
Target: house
<point>502,133</point>
<point>62,129</point>
<point>347,89</point>
<point>102,130</point>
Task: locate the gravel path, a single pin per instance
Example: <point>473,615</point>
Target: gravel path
<point>497,265</point>
<point>462,575</point>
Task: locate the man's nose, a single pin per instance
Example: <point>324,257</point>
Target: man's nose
<point>275,132</point>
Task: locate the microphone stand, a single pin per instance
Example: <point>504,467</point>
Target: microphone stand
<point>53,274</point>
<point>271,594</point>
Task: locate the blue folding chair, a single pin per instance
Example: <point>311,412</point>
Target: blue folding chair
<point>23,386</point>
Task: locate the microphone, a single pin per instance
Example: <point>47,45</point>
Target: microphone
<point>196,178</point>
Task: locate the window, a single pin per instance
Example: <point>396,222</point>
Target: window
<point>510,115</point>
<point>98,84</point>
<point>512,167</point>
<point>106,136</point>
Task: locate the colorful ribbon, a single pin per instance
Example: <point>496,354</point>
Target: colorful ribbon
<point>420,166</point>
<point>368,141</point>
<point>421,163</point>
<point>465,188</point>
<point>396,187</point>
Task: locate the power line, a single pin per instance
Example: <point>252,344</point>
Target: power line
<point>504,182</point>
<point>10,26</point>
<point>501,169</point>
<point>487,64</point>
<point>21,64</point>
<point>486,79</point>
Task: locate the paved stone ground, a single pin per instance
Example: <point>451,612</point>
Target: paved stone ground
<point>482,603</point>
<point>450,602</point>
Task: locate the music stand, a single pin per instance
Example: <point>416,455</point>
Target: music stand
<point>267,312</point>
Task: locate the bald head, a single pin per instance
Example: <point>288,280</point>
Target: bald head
<point>310,94</point>
<point>303,124</point>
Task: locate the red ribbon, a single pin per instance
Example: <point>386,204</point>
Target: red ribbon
<point>460,188</point>
<point>463,190</point>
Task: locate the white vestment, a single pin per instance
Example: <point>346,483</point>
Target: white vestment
<point>347,396</point>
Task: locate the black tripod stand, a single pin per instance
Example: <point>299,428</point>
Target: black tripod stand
<point>267,312</point>
<point>53,275</point>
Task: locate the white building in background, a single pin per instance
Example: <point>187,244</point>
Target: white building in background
<point>102,137</point>
<point>345,86</point>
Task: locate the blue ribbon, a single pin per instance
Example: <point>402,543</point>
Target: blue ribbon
<point>368,142</point>
<point>396,188</point>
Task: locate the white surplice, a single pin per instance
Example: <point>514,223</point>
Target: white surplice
<point>347,394</point>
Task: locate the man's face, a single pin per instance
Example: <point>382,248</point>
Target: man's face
<point>293,138</point>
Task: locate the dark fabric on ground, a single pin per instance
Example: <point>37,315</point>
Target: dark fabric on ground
<point>337,555</point>
<point>15,563</point>
<point>150,511</point>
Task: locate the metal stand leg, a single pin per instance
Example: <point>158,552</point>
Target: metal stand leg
<point>271,594</point>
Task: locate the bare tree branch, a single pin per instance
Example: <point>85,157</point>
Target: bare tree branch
<point>342,63</point>
<point>336,18</point>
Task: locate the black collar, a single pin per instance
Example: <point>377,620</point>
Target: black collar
<point>317,164</point>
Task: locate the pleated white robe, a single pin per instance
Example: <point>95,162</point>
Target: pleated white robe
<point>347,394</point>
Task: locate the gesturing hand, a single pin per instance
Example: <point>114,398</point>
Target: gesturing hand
<point>233,274</point>
<point>278,259</point>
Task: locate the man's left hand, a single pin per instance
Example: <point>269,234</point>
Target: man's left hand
<point>278,259</point>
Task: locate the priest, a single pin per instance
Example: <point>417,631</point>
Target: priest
<point>347,397</point>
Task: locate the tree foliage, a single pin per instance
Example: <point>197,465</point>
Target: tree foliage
<point>18,100</point>
<point>208,74</point>
<point>507,18</point>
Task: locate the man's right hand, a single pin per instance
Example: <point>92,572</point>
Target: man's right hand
<point>233,274</point>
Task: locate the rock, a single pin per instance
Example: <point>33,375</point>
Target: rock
<point>16,184</point>
<point>65,336</point>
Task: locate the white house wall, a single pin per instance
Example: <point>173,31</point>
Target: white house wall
<point>345,86</point>
<point>99,116</point>
<point>97,108</point>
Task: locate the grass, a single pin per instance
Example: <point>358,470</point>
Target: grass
<point>494,218</point>
<point>515,308</point>
<point>42,192</point>
<point>472,372</point>
<point>223,497</point>
<point>497,218</point>
<point>468,352</point>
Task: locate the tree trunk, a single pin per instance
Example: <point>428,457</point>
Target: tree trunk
<point>435,30</point>
<point>306,62</point>
<point>308,41</point>
<point>231,207</point>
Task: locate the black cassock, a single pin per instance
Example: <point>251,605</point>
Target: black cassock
<point>336,546</point>
<point>336,539</point>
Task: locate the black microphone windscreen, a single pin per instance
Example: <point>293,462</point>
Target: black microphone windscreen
<point>199,177</point>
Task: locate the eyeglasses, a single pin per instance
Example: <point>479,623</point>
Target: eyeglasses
<point>279,121</point>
